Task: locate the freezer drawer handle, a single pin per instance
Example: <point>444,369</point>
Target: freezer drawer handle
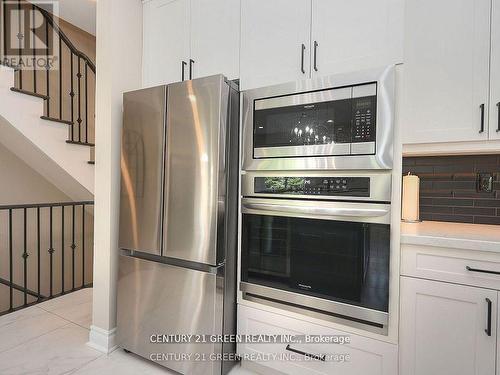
<point>470,269</point>
<point>321,211</point>
<point>488,328</point>
<point>314,356</point>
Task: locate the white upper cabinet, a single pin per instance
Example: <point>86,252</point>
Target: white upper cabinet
<point>495,73</point>
<point>446,329</point>
<point>275,39</point>
<point>446,71</point>
<point>355,35</point>
<point>215,38</point>
<point>166,40</point>
<point>189,39</point>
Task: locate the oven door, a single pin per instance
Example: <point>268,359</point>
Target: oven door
<point>328,257</point>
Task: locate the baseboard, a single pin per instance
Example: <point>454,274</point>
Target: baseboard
<point>102,340</point>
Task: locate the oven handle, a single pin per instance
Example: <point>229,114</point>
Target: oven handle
<point>317,211</point>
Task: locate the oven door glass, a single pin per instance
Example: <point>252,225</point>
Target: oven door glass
<point>341,261</point>
<point>321,119</point>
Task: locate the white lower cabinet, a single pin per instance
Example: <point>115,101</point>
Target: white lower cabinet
<point>447,329</point>
<point>362,355</point>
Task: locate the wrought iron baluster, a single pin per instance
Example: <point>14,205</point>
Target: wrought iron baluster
<point>20,44</point>
<point>86,104</point>
<point>73,247</point>
<point>60,80</point>
<point>47,66</point>
<point>11,268</point>
<point>62,250</point>
<point>79,75</point>
<point>4,14</point>
<point>38,249</point>
<point>83,245</point>
<point>33,12</point>
<point>72,95</point>
<point>25,256</point>
<point>51,252</point>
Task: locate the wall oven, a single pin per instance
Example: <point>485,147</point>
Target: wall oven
<point>324,257</point>
<point>316,186</point>
<point>336,122</point>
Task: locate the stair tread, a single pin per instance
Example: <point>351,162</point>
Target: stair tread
<point>80,143</point>
<point>26,92</point>
<point>56,120</point>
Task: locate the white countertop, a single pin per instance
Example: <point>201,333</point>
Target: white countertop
<point>452,235</point>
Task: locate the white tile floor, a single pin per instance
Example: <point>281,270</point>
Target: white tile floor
<point>50,338</point>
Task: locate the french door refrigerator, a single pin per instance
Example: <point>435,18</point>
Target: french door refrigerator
<point>178,214</point>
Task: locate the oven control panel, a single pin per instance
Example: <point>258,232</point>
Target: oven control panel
<point>323,186</point>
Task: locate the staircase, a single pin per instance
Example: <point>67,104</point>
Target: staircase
<point>47,114</point>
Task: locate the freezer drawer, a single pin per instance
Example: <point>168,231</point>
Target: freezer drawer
<point>142,152</point>
<point>156,299</point>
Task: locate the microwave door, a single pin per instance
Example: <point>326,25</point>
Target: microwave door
<point>141,196</point>
<point>307,124</point>
<point>194,169</point>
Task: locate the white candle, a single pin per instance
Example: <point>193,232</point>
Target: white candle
<point>411,196</point>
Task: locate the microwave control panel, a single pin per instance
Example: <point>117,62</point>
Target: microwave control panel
<point>364,117</point>
<point>325,186</point>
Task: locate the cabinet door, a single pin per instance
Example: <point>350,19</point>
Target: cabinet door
<point>166,41</point>
<point>275,38</point>
<point>443,329</point>
<point>446,70</point>
<point>355,35</point>
<point>215,37</point>
<point>495,72</point>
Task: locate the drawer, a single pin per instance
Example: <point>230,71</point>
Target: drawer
<point>361,356</point>
<point>467,267</point>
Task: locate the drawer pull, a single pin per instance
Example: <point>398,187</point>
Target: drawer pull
<point>482,118</point>
<point>303,50</point>
<point>482,271</point>
<point>488,328</point>
<point>314,356</point>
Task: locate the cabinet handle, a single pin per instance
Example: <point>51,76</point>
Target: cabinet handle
<point>488,328</point>
<point>498,121</point>
<point>183,66</point>
<point>191,63</point>
<point>314,356</point>
<point>303,50</point>
<point>315,56</point>
<point>482,118</point>
<point>482,271</point>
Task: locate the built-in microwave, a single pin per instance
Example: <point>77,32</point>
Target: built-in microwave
<point>337,122</point>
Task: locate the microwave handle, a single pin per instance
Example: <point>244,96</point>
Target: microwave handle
<point>317,211</point>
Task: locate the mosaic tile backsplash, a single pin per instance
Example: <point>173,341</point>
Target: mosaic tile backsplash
<point>448,188</point>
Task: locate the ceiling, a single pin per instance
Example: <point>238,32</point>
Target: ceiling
<point>81,13</point>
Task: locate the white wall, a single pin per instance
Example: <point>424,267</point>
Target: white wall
<point>118,58</point>
<point>20,184</point>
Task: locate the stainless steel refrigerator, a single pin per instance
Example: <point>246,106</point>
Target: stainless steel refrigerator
<point>178,215</point>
